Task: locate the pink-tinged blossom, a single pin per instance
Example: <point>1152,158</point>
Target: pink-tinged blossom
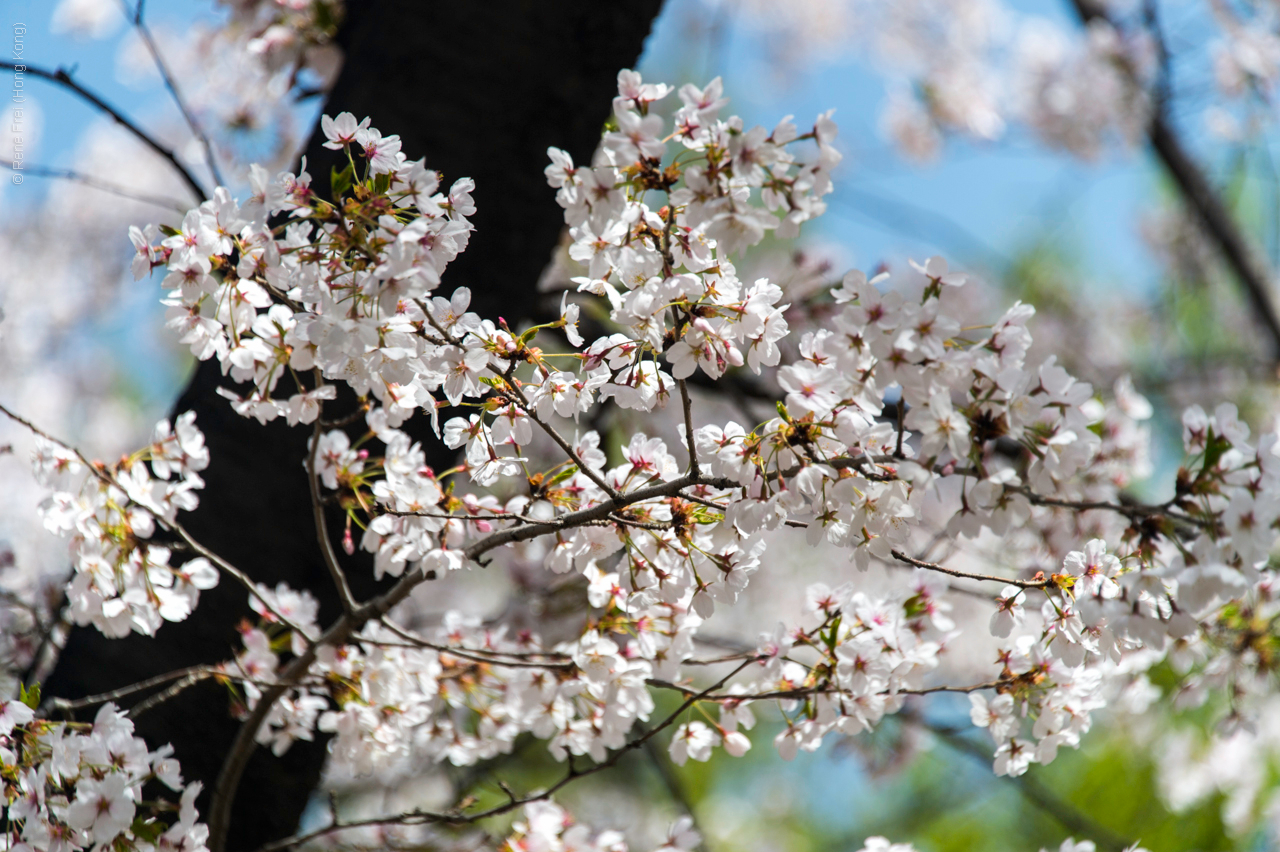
<point>341,130</point>
<point>1009,611</point>
<point>692,740</point>
<point>383,153</point>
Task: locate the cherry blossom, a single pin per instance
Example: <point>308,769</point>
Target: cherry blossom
<point>899,425</point>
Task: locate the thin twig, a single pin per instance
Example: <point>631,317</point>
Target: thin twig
<point>99,470</point>
<point>462,516</point>
<point>479,656</point>
<point>318,516</point>
<point>165,695</point>
<point>63,78</point>
<point>991,578</point>
<point>1131,511</point>
<point>202,671</point>
<point>456,817</point>
<point>687,404</point>
<point>810,691</point>
<point>105,186</point>
<point>1201,198</point>
<point>143,30</point>
<point>239,576</point>
<point>36,430</point>
<point>564,445</point>
<point>973,593</point>
<point>702,501</point>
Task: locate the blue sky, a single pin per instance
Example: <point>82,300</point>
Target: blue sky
<point>978,203</point>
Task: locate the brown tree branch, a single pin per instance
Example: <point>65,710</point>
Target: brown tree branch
<point>63,78</point>
<point>238,757</point>
<point>317,512</point>
<point>136,17</point>
<point>132,689</point>
<point>966,575</point>
<point>95,183</point>
<point>1203,200</point>
<point>456,817</point>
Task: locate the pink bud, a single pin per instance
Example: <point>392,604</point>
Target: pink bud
<point>348,543</point>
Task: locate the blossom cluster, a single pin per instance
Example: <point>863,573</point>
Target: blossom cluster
<point>72,786</point>
<point>123,582</point>
<point>461,692</point>
<point>852,661</point>
<point>900,423</point>
<point>342,292</point>
<point>895,457</point>
<point>287,35</point>
<point>894,417</point>
<point>544,825</point>
<point>978,68</point>
<point>644,261</point>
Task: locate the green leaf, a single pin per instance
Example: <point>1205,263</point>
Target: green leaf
<point>562,475</point>
<point>381,184</point>
<point>1214,449</point>
<point>914,605</point>
<point>531,333</point>
<point>323,16</point>
<point>147,829</point>
<point>30,697</point>
<point>340,181</point>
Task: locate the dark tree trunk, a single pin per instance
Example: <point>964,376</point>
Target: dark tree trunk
<point>481,90</point>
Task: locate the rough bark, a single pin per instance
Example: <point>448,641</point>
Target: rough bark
<point>480,90</point>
